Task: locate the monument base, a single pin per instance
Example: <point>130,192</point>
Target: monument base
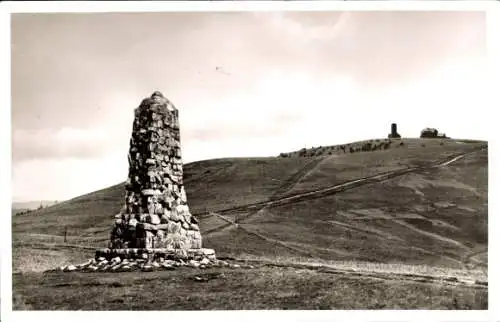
<point>147,259</point>
<point>156,253</point>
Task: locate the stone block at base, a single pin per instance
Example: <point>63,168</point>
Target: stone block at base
<point>155,253</point>
<point>147,260</point>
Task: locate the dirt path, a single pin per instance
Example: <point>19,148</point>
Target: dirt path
<point>54,246</point>
<point>379,274</point>
<point>343,187</point>
<point>432,235</point>
<point>451,161</point>
<point>204,175</point>
<point>371,230</point>
<point>471,262</point>
<point>398,221</point>
<point>256,207</point>
<point>278,242</point>
<point>291,182</point>
<point>286,186</point>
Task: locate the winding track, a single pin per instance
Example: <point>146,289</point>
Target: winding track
<point>335,189</point>
<point>412,277</point>
<point>318,193</point>
<point>296,177</point>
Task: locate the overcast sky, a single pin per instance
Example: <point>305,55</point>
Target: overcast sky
<point>245,84</point>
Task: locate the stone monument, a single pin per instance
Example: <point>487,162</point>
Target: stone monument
<point>156,214</point>
<point>155,218</point>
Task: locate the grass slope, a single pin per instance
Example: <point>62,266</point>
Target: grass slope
<point>327,222</point>
<point>434,217</point>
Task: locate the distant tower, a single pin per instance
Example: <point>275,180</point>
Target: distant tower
<point>394,131</point>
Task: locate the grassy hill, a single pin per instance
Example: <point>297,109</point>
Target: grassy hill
<point>20,207</point>
<point>302,207</point>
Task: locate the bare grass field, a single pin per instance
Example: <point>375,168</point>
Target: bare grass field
<point>261,288</point>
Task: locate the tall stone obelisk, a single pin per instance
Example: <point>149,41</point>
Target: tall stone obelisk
<point>155,214</point>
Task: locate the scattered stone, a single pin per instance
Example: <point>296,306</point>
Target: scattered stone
<point>83,265</point>
<point>169,262</point>
<point>200,279</point>
<point>125,268</point>
<point>102,268</point>
<point>160,263</point>
<point>194,264</point>
<point>208,252</point>
<point>168,266</point>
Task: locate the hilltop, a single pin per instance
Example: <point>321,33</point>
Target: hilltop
<point>419,204</point>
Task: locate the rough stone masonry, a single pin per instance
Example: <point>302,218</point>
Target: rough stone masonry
<point>155,229</point>
<point>156,214</point>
